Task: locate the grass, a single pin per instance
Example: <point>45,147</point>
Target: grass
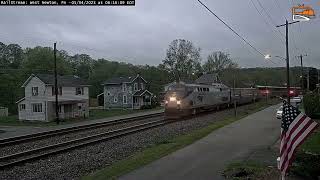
<point>159,150</point>
<point>13,120</point>
<point>245,170</point>
<point>312,144</point>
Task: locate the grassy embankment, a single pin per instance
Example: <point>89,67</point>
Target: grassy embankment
<point>159,150</point>
<point>94,114</point>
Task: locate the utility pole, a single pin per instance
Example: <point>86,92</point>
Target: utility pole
<point>267,92</point>
<point>287,57</point>
<point>234,97</point>
<point>308,81</point>
<point>56,81</point>
<point>301,77</point>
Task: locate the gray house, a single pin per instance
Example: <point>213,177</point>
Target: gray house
<point>126,92</point>
<point>39,101</point>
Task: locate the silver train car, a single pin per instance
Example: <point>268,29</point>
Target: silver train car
<point>188,99</point>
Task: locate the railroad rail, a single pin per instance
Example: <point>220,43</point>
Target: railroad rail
<point>44,134</point>
<point>33,154</point>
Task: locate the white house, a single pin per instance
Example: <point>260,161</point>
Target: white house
<point>39,101</point>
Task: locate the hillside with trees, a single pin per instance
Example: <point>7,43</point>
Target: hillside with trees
<point>182,61</point>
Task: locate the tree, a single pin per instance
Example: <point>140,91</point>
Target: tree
<point>82,65</point>
<point>182,59</point>
<point>217,62</point>
<point>41,60</point>
<point>10,55</point>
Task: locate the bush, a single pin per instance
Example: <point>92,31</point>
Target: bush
<point>311,103</point>
<point>146,107</point>
<point>306,165</point>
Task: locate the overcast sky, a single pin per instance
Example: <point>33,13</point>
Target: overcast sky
<point>141,34</point>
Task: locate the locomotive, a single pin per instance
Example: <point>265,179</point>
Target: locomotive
<point>182,99</point>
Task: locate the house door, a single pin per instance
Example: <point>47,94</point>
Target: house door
<point>136,102</point>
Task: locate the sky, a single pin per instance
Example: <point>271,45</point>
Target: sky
<point>141,34</point>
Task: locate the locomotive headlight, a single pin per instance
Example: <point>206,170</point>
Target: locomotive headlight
<point>173,98</point>
<point>178,102</point>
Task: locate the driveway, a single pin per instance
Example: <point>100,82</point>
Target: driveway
<point>206,158</point>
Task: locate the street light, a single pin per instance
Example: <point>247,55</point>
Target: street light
<point>268,56</point>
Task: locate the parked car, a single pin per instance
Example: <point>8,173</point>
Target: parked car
<point>297,99</point>
<point>279,112</point>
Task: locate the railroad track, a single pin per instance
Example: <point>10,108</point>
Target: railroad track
<point>45,134</point>
<point>33,154</point>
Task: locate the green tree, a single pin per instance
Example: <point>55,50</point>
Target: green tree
<point>11,55</point>
<point>182,59</point>
<point>41,60</point>
<point>218,62</point>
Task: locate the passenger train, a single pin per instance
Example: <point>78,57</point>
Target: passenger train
<point>183,99</point>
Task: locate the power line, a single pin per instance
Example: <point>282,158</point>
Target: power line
<point>293,36</point>
<point>266,22</point>
<point>270,18</point>
<point>243,39</point>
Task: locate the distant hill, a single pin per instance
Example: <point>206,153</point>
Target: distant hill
<point>247,77</point>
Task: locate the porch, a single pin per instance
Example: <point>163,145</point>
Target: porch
<point>141,99</point>
<point>69,109</point>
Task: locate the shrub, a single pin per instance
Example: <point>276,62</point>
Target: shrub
<point>307,165</point>
<point>311,104</point>
<point>146,107</point>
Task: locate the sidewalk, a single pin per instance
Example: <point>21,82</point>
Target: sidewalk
<point>11,131</point>
<point>207,158</point>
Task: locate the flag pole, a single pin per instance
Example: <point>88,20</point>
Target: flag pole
<point>283,175</point>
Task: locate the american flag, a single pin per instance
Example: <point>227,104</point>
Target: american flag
<point>295,128</point>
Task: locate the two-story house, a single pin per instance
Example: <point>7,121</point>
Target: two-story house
<point>126,92</point>
<point>39,101</point>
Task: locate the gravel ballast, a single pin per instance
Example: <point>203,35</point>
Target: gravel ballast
<point>77,163</point>
<point>19,147</point>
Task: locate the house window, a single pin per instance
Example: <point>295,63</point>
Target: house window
<point>22,107</point>
<point>37,107</point>
<point>136,101</point>
<point>124,87</point>
<point>125,100</point>
<point>142,86</point>
<point>79,90</point>
<point>59,90</point>
<point>135,86</point>
<point>35,91</point>
<point>115,99</point>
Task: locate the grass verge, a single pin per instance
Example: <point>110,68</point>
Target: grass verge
<point>162,149</point>
<point>246,170</point>
<point>13,120</point>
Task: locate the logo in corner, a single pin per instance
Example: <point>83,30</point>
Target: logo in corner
<point>302,13</point>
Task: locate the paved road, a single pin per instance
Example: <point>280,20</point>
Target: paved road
<point>206,158</point>
<point>10,131</point>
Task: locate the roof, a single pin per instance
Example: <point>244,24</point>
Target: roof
<point>20,100</point>
<point>207,79</point>
<point>120,80</point>
<point>141,92</point>
<point>66,80</point>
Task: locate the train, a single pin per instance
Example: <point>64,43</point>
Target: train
<point>183,99</point>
